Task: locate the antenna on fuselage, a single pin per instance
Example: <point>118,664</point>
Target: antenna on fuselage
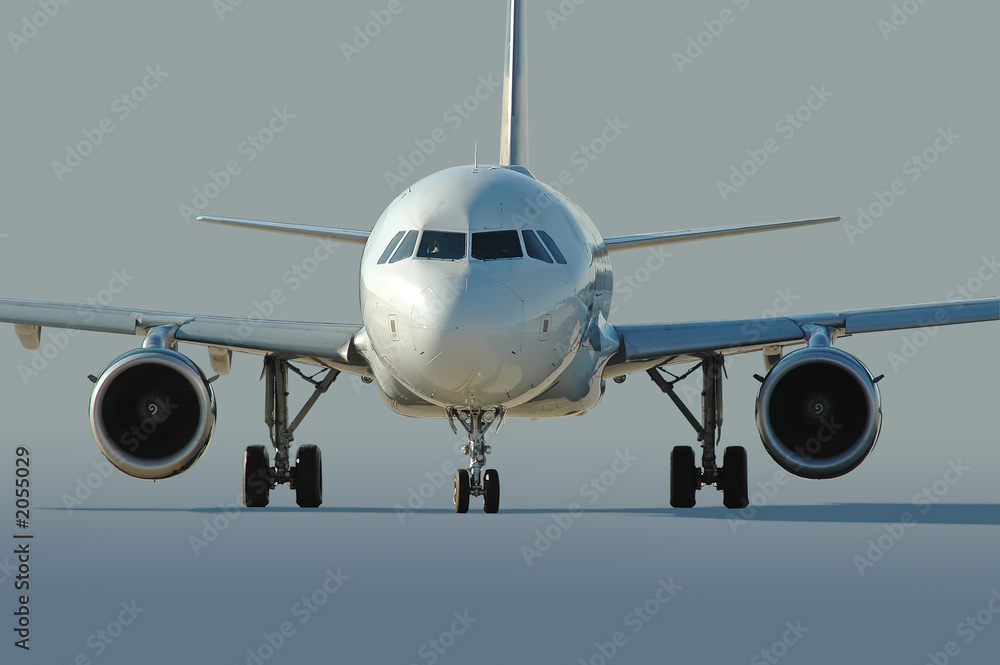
<point>475,156</point>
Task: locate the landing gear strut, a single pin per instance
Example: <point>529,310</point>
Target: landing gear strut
<point>685,478</point>
<point>306,477</point>
<point>476,481</point>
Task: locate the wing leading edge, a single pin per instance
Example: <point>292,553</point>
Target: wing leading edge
<point>650,345</point>
<point>323,344</point>
<point>619,243</point>
<point>343,235</point>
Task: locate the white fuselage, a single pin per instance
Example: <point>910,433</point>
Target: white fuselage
<point>482,288</point>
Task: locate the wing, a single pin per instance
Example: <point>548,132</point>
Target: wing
<point>342,235</point>
<point>323,344</point>
<point>619,243</point>
<point>651,345</point>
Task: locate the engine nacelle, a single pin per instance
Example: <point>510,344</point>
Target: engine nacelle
<point>819,412</point>
<point>152,413</point>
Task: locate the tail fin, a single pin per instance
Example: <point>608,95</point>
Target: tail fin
<point>514,122</point>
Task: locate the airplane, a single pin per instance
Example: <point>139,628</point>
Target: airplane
<point>485,295</point>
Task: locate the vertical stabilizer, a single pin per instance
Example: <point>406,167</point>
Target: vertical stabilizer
<point>514,123</point>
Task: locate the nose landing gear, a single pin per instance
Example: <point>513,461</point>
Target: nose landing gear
<point>475,481</point>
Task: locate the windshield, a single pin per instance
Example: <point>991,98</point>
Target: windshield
<point>405,248</point>
<point>496,245</point>
<point>443,245</point>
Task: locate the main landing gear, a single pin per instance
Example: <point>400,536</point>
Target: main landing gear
<point>306,477</point>
<point>686,478</point>
<point>475,481</point>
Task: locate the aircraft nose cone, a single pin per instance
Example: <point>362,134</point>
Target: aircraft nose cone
<point>468,303</point>
<point>468,332</point>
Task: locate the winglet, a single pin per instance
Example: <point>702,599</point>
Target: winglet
<point>514,121</point>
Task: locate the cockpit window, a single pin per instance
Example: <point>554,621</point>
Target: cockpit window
<point>442,245</point>
<point>391,246</point>
<point>405,248</point>
<point>496,245</point>
<point>535,248</point>
<point>551,244</point>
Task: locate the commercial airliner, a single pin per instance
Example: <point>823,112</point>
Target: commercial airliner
<point>485,295</point>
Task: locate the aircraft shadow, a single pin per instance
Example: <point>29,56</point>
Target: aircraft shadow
<point>847,513</point>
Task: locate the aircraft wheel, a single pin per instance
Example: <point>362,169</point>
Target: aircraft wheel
<point>256,477</point>
<point>308,477</point>
<point>460,491</point>
<point>734,478</point>
<point>683,477</point>
<point>491,491</point>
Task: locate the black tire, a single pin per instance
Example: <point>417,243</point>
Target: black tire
<point>308,477</point>
<point>256,477</point>
<point>460,491</point>
<point>491,491</point>
<point>735,494</point>
<point>684,479</point>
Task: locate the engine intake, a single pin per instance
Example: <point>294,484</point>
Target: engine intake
<point>152,413</point>
<point>819,412</point>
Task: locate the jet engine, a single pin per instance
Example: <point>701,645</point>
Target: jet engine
<point>152,413</point>
<point>819,412</point>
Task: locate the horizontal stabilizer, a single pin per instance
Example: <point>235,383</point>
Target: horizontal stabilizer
<point>619,243</point>
<point>343,235</point>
